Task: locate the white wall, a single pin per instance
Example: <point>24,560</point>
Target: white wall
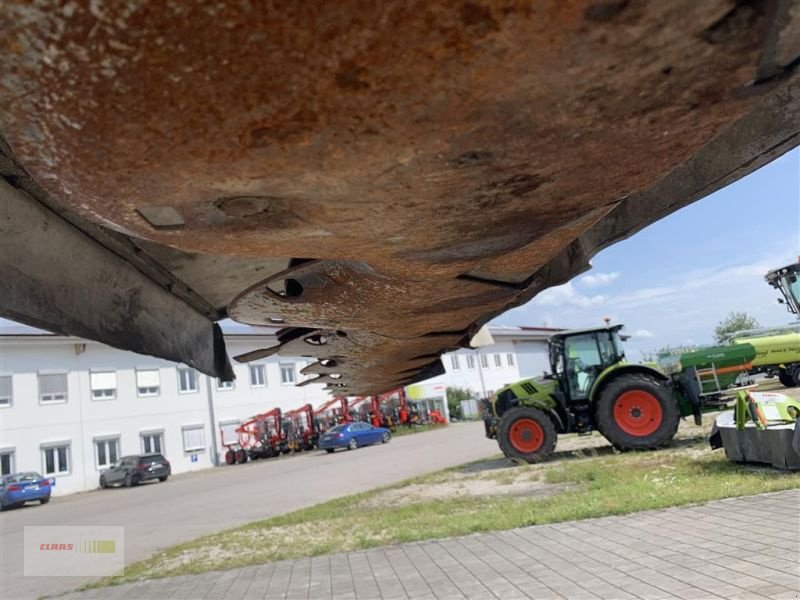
<point>532,358</point>
<point>27,424</point>
<point>494,377</point>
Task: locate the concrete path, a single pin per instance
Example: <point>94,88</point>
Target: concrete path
<point>741,548</point>
<point>158,515</point>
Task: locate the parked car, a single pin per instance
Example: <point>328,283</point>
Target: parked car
<point>132,470</point>
<point>18,488</point>
<point>353,435</point>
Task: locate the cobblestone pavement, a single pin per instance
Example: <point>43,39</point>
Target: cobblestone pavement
<point>738,548</point>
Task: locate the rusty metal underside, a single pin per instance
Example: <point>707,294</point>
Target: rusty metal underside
<point>378,178</point>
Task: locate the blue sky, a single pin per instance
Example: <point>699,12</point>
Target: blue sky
<point>671,283</point>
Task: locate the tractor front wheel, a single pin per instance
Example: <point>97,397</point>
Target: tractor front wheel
<point>526,434</point>
<point>637,412</point>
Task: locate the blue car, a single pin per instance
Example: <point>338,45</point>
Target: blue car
<point>353,435</point>
<point>18,488</point>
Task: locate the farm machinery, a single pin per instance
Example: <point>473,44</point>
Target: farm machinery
<point>635,406</point>
<point>301,429</point>
<point>592,387</point>
<point>261,436</point>
<point>764,427</point>
<point>331,413</point>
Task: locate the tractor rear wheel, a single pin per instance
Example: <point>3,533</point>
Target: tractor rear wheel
<point>526,434</point>
<point>637,412</point>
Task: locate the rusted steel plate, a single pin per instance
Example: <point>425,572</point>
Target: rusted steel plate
<point>442,161</point>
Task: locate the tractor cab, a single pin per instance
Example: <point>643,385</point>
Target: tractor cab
<point>578,357</point>
<point>787,281</point>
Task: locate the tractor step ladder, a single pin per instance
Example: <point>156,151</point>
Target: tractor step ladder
<point>710,375</point>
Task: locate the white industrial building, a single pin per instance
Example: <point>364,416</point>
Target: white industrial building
<point>70,407</point>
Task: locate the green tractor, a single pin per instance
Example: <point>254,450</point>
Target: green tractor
<point>590,387</point>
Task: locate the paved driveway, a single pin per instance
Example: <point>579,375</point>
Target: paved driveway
<point>159,515</point>
<point>737,549</point>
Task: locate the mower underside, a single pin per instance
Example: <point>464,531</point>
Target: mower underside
<point>377,180</point>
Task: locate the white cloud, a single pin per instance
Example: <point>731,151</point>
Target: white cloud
<point>598,279</point>
<point>643,333</point>
<point>682,308</point>
<point>567,295</point>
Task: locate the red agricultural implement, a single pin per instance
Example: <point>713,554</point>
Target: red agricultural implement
<point>331,413</point>
<point>261,436</point>
<point>301,430</point>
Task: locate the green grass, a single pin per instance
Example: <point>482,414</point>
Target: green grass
<point>401,430</point>
<point>596,486</point>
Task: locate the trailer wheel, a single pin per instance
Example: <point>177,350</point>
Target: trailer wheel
<point>637,412</point>
<point>230,457</point>
<point>241,456</point>
<point>789,377</point>
<point>526,434</point>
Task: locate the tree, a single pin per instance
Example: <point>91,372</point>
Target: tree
<point>454,397</point>
<point>736,321</point>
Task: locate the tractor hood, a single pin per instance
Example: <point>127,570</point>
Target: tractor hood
<point>374,180</point>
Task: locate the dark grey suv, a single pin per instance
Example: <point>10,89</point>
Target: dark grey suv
<point>132,470</point>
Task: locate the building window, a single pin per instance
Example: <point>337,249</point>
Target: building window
<point>510,359</point>
<point>148,382</point>
<point>56,459</point>
<point>194,438</point>
<point>454,362</point>
<point>187,380</point>
<point>153,442</point>
<point>104,385</point>
<point>258,376</point>
<point>228,433</point>
<point>6,462</point>
<point>107,452</point>
<point>287,374</point>
<point>6,394</point>
<point>53,387</point>
<point>498,360</point>
<point>470,362</point>
<point>224,386</point>
<point>484,361</point>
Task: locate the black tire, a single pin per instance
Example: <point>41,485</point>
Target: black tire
<point>352,444</point>
<point>651,416</point>
<point>329,450</point>
<point>45,500</point>
<point>103,484</point>
<point>230,457</point>
<point>786,377</point>
<point>386,437</point>
<point>163,479</point>
<point>128,480</point>
<point>789,377</point>
<point>526,434</point>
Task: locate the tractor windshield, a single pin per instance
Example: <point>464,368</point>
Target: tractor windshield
<point>587,355</point>
<point>787,281</point>
<point>791,283</point>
